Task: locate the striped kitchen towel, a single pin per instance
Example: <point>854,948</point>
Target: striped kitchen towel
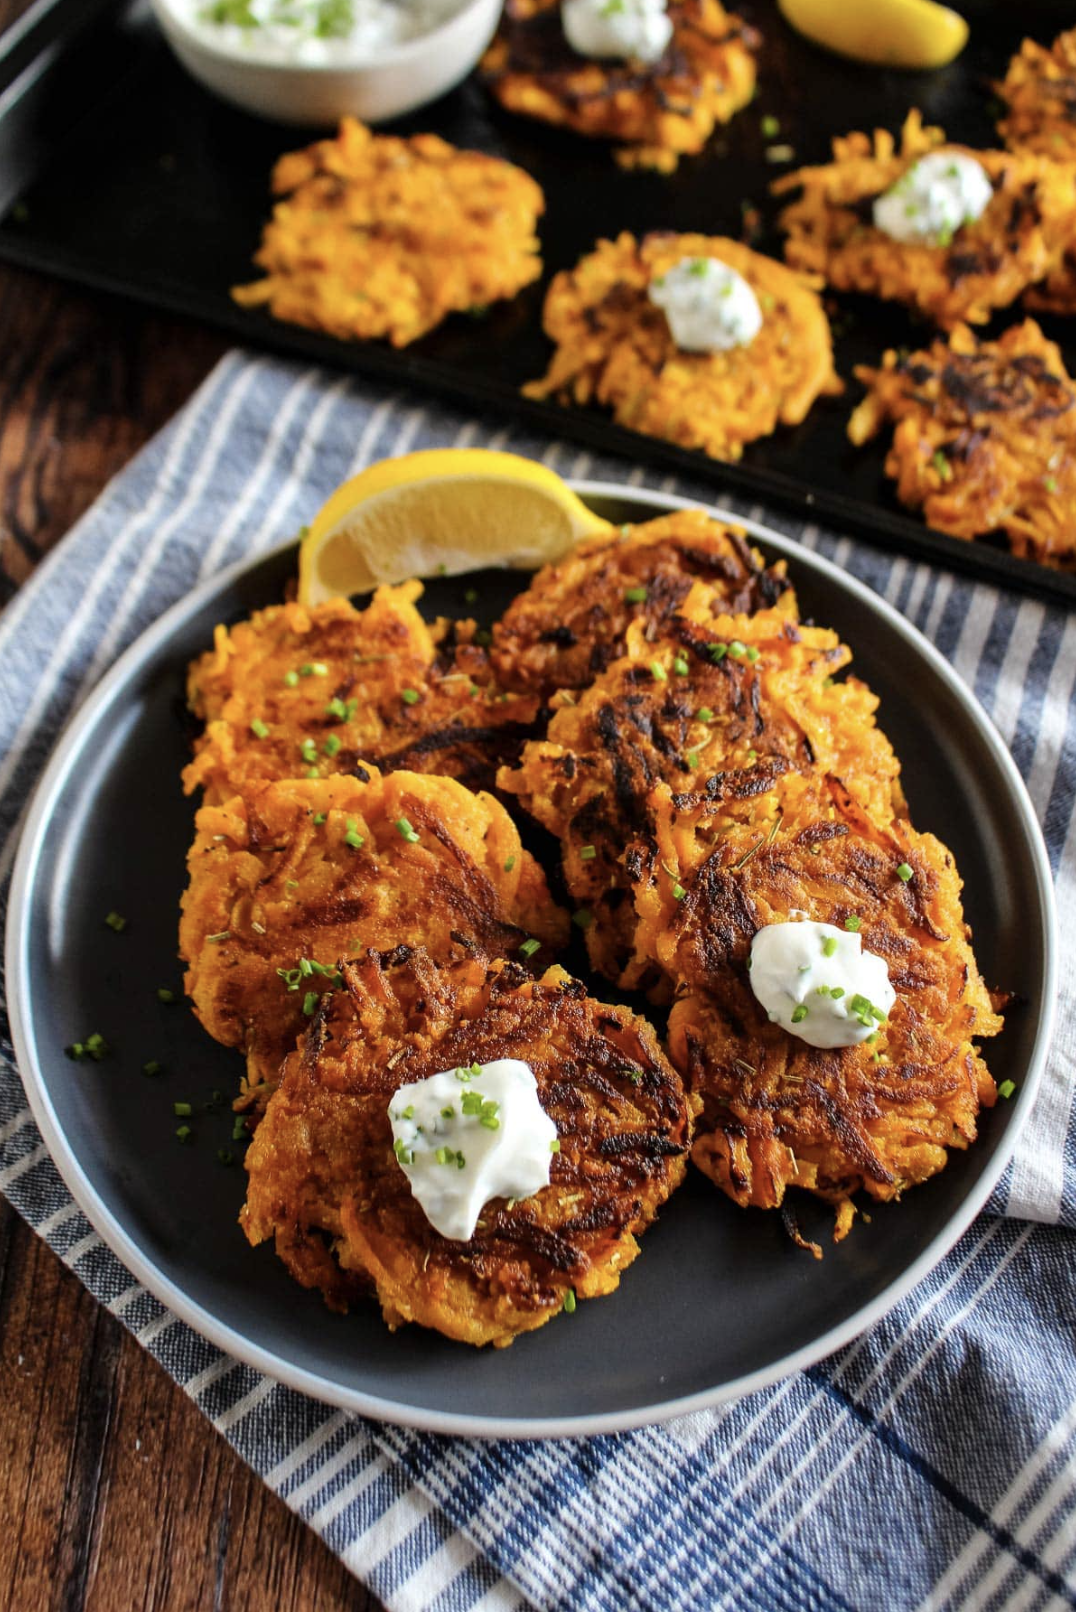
<point>930,1464</point>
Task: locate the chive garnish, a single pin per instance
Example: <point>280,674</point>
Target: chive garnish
<point>658,672</point>
<point>310,1002</point>
<point>692,759</point>
<point>319,818</point>
<point>587,853</point>
<point>116,922</point>
<point>678,892</point>
<point>680,666</point>
<point>314,668</point>
<point>404,829</point>
<point>569,1302</point>
<point>704,714</point>
<point>1006,1088</point>
<point>410,696</point>
<point>308,750</point>
<point>164,994</point>
<point>904,873</point>
<point>799,1013</point>
<point>353,837</point>
<point>182,1110</point>
<point>509,864</point>
<point>829,945</point>
<point>530,946</point>
<point>151,1068</point>
<point>470,596</point>
<point>333,745</point>
<point>717,652</point>
<point>554,1146</point>
<point>752,653</point>
<point>223,934</point>
<point>737,649</point>
<point>291,679</point>
<point>183,1133</point>
<point>853,923</point>
<point>635,595</point>
<point>259,729</point>
<point>225,1155</point>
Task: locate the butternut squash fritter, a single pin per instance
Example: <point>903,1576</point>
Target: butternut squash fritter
<point>746,696</point>
<point>325,1183</point>
<point>567,627</point>
<point>660,110</point>
<point>1019,239</point>
<point>286,878</point>
<point>379,236</point>
<point>984,438</point>
<point>776,1112</point>
<point>615,348</point>
<point>1039,91</point>
<point>297,692</point>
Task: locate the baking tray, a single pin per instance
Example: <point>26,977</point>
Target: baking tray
<point>119,172</point>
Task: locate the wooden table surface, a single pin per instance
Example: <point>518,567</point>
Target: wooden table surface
<point>115,1493</point>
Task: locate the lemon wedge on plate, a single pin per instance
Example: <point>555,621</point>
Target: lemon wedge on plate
<point>887,33</point>
<point>439,512</point>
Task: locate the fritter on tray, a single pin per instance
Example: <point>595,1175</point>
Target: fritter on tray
<point>715,697</point>
<point>965,270</point>
<point>567,627</point>
<point>380,236</point>
<point>778,1112</point>
<point>1039,91</point>
<point>303,692</point>
<point>615,345</point>
<point>984,438</point>
<point>286,878</point>
<point>327,1183</point>
<point>659,109</point>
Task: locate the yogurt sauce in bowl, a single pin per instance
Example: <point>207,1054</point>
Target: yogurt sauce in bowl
<point>313,33</point>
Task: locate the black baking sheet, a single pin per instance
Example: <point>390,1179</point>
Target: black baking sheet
<point>118,171</point>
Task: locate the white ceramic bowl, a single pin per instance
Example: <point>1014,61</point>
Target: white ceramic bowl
<point>397,80</point>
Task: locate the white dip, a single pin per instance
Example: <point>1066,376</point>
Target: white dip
<point>817,982</point>
<point>465,1136</point>
<point>312,33</point>
<point>626,29</point>
<point>934,198</point>
<point>710,308</point>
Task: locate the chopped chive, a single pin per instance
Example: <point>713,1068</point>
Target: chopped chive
<point>310,1002</point>
<point>509,864</point>
<point>658,671</point>
<point>678,892</point>
<point>942,465</point>
<point>829,945</point>
<point>799,1013</point>
<point>314,668</point>
<point>259,729</point>
<point>1006,1088</point>
<point>737,649</point>
<point>353,837</point>
<point>225,1155</point>
<point>752,653</point>
<point>490,1122</point>
<point>116,922</point>
<point>183,1133</point>
<point>692,759</point>
<point>853,923</point>
<point>239,1129</point>
<point>182,1110</point>
<point>583,918</point>
<point>151,1068</point>
<point>836,991</point>
<point>1050,483</point>
<point>470,596</point>
<point>308,750</point>
<point>448,1112</point>
<point>554,1146</point>
<point>164,994</point>
<point>717,652</point>
<point>461,1162</point>
<point>587,853</point>
<point>445,1155</point>
<point>704,714</point>
<point>319,818</point>
<point>410,696</point>
<point>291,679</point>
<point>336,709</point>
<point>569,1302</point>
<point>223,934</point>
<point>904,873</point>
<point>529,947</point>
<point>635,595</point>
<point>333,745</point>
<point>770,126</point>
<point>680,666</point>
<point>306,967</point>
<point>403,828</point>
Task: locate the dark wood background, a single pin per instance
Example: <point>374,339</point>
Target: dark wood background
<point>115,1493</point>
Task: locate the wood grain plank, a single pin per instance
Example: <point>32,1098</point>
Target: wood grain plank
<point>115,1492</point>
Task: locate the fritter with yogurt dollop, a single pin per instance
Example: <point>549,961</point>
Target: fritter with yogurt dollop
<point>659,110</point>
<point>380,236</point>
<point>878,1116</point>
<point>984,437</point>
<point>616,348</point>
<point>326,1182</point>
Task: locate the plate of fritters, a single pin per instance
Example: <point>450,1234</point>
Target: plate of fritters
<point>548,834</point>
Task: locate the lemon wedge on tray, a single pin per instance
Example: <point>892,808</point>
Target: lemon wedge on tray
<point>439,512</point>
<point>887,33</point>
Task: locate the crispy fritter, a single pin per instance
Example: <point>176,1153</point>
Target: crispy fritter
<point>323,869</point>
<point>746,696</point>
<point>567,627</point>
<point>325,1183</point>
<point>1039,91</point>
<point>984,439</point>
<point>615,348</point>
<point>1018,240</point>
<point>660,109</point>
<point>298,689</point>
<point>777,1112</point>
<point>379,236</point>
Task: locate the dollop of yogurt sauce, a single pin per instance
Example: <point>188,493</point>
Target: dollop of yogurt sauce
<point>625,29</point>
<point>818,983</point>
<point>465,1136</point>
<point>312,33</point>
<point>934,198</point>
<point>710,308</point>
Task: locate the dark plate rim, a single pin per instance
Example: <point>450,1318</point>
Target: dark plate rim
<point>244,1348</point>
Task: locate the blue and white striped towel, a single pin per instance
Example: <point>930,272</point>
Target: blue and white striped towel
<point>931,1464</point>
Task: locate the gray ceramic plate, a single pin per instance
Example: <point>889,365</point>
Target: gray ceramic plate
<point>719,1302</point>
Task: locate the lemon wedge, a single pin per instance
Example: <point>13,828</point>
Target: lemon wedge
<point>439,512</point>
<point>888,33</point>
